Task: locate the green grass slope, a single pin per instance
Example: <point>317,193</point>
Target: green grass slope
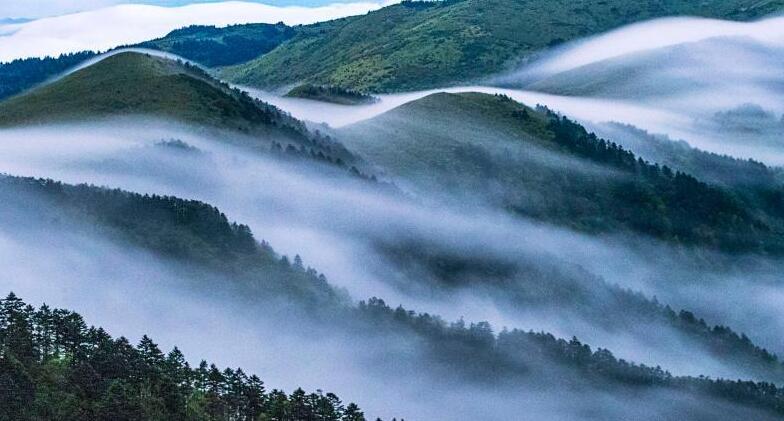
<point>541,165</point>
<point>417,45</point>
<point>135,84</point>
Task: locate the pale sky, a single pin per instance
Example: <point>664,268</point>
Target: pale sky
<point>43,8</point>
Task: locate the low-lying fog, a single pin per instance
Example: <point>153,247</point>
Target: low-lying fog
<point>711,83</point>
<point>334,222</point>
<point>131,293</point>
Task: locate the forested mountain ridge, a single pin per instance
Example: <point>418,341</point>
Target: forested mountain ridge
<point>196,233</point>
<point>520,158</point>
<point>714,168</point>
<point>420,45</point>
<point>54,367</point>
<point>200,236</point>
<point>189,232</point>
<point>517,353</point>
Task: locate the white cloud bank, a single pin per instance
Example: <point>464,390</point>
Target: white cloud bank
<point>126,24</point>
<point>658,33</point>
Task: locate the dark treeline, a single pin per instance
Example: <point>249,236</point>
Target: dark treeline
<point>22,74</point>
<point>188,231</point>
<point>199,234</point>
<point>212,47</point>
<point>331,93</point>
<point>54,367</point>
<point>541,165</point>
<point>671,204</point>
<point>468,351</point>
<point>651,199</point>
<point>535,283</point>
<point>513,353</point>
<point>714,168</point>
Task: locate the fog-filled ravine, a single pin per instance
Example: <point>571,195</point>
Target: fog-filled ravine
<point>593,234</point>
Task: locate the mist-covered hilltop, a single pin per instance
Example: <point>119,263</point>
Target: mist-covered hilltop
<point>133,84</point>
<point>546,166</point>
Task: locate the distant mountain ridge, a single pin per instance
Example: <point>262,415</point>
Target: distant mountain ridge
<point>419,45</point>
<point>408,46</point>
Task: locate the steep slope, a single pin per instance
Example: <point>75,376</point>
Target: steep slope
<point>139,85</point>
<point>417,45</point>
<point>541,165</point>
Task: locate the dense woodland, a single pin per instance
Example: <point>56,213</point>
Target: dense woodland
<point>531,162</point>
<point>514,353</point>
<point>212,47</point>
<point>545,166</point>
<point>526,283</point>
<point>200,235</point>
<point>196,232</point>
<point>333,94</point>
<point>54,367</point>
<point>711,167</point>
<point>670,204</point>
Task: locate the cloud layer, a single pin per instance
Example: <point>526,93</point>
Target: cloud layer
<point>126,24</point>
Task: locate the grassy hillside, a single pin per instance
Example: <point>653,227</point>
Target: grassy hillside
<point>541,165</point>
<point>417,45</point>
<point>206,45</point>
<point>134,84</point>
<point>22,74</point>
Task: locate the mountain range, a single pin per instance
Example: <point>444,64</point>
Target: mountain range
<point>424,217</point>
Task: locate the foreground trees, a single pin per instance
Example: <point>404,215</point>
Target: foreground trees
<point>52,366</point>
